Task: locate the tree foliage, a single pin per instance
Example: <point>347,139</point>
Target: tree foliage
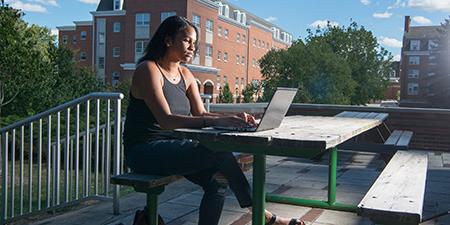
<point>335,65</point>
<point>225,95</point>
<point>35,74</point>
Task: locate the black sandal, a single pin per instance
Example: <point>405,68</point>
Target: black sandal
<point>272,220</point>
<point>296,221</point>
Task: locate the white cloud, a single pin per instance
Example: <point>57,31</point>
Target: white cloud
<point>397,4</point>
<point>27,7</point>
<point>396,58</point>
<point>323,23</point>
<point>365,2</point>
<point>390,42</point>
<point>271,18</point>
<point>430,5</point>
<point>382,15</point>
<point>46,2</point>
<point>421,20</point>
<point>90,1</point>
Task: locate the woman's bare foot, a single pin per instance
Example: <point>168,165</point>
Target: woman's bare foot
<point>281,220</point>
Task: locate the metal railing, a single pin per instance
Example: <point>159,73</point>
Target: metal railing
<point>44,181</point>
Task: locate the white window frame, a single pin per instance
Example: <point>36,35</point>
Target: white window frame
<point>413,89</point>
<point>83,35</point>
<point>165,15</point>
<point>101,38</point>
<point>116,52</point>
<point>244,38</point>
<point>219,31</point>
<point>64,39</point>
<point>196,20</point>
<point>433,44</point>
<point>208,50</point>
<point>413,73</point>
<point>142,19</point>
<point>225,56</point>
<point>414,60</point>
<point>116,27</point>
<point>83,56</point>
<point>226,32</point>
<point>243,60</point>
<point>101,62</point>
<point>219,55</point>
<point>238,37</point>
<point>139,45</point>
<point>209,25</point>
<point>115,78</point>
<point>238,59</point>
<point>414,45</point>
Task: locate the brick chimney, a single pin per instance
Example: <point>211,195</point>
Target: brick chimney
<point>407,23</point>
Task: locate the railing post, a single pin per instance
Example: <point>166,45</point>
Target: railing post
<point>207,101</point>
<point>117,148</point>
<point>4,177</point>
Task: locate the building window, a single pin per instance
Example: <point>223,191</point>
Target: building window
<point>83,35</point>
<point>82,56</point>
<point>243,60</point>
<point>219,55</point>
<point>219,31</point>
<point>225,33</point>
<point>115,78</point>
<point>74,40</point>
<point>64,39</point>
<point>413,88</point>
<point>243,38</point>
<point>116,4</point>
<point>238,37</point>
<point>101,62</point>
<point>101,38</point>
<point>253,62</point>
<point>196,20</point>
<point>414,45</point>
<point>225,56</point>
<point>225,81</point>
<point>413,73</point>
<point>259,43</point>
<point>236,82</point>
<point>414,60</point>
<point>432,44</point>
<point>116,27</point>
<point>208,51</point>
<point>238,59</point>
<point>218,82</point>
<point>242,82</point>
<point>165,15</point>
<point>254,42</point>
<point>142,19</point>
<point>263,44</point>
<point>432,60</point>
<point>139,49</point>
<point>116,52</point>
<point>209,25</point>
<point>430,74</point>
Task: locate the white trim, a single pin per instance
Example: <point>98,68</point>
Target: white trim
<point>66,28</point>
<point>198,81</point>
<point>208,80</point>
<point>260,26</point>
<point>209,3</point>
<point>202,69</point>
<point>109,13</point>
<point>128,66</point>
<point>233,22</point>
<point>83,23</point>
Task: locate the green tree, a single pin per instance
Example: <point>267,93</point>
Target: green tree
<point>35,74</point>
<point>225,96</point>
<point>248,93</point>
<point>338,65</point>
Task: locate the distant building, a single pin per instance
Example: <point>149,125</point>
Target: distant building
<point>232,40</point>
<point>424,81</point>
<point>393,89</point>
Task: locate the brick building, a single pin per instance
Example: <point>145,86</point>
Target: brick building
<point>231,40</point>
<point>424,81</point>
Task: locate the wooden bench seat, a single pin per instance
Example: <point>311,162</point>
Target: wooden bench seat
<point>151,185</point>
<point>396,197</point>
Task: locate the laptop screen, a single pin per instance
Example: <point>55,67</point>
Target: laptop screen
<point>277,108</point>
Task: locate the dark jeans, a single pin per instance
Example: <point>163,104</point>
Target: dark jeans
<point>198,164</point>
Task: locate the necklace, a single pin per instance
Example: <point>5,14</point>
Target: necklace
<point>169,76</point>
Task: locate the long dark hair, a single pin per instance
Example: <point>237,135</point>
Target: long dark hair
<point>170,27</point>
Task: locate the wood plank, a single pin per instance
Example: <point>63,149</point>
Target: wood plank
<point>405,138</point>
<point>394,137</point>
<point>397,195</point>
<point>143,180</point>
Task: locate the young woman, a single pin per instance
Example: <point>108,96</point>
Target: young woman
<point>164,96</point>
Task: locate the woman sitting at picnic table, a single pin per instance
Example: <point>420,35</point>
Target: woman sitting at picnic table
<point>164,96</point>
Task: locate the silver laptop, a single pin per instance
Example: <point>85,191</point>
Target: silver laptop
<point>274,114</point>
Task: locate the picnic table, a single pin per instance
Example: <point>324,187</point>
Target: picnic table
<point>298,136</point>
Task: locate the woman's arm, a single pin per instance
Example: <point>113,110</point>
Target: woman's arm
<point>147,85</point>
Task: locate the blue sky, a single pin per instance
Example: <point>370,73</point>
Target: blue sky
<point>385,18</point>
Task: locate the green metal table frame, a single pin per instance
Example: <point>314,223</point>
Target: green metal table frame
<point>260,197</point>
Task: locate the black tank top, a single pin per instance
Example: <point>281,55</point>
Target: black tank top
<point>140,123</point>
